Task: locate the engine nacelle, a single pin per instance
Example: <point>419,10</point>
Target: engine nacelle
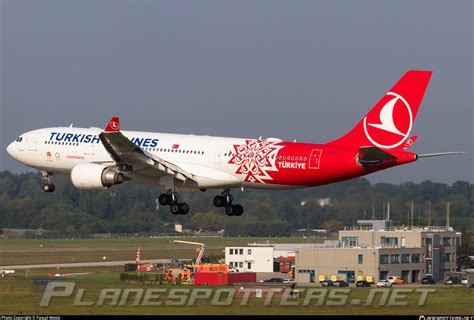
<point>94,176</point>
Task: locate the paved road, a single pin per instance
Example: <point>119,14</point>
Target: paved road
<point>86,264</point>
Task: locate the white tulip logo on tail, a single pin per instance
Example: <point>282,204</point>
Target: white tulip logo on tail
<point>393,123</point>
<point>114,125</point>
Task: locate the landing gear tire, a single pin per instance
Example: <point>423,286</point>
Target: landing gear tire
<point>175,209</point>
<point>49,187</point>
<point>171,199</point>
<point>238,210</point>
<point>225,200</point>
<point>234,210</point>
<point>220,201</point>
<point>229,211</point>
<point>179,208</point>
<point>184,208</point>
<point>165,199</point>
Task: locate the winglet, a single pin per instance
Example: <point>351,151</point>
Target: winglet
<point>114,125</point>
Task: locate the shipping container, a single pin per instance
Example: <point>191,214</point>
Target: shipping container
<point>238,277</point>
<point>221,279</point>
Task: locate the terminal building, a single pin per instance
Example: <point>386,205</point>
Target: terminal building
<point>376,249</point>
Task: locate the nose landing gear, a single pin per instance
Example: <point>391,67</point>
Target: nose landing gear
<point>49,186</point>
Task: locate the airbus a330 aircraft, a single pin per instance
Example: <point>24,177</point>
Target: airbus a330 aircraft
<point>98,159</point>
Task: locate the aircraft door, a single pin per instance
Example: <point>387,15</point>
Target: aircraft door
<point>314,159</point>
<point>218,156</point>
<point>32,145</point>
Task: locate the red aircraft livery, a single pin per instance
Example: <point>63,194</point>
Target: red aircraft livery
<point>97,159</point>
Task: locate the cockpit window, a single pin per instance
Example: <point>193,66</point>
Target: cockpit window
<point>19,139</point>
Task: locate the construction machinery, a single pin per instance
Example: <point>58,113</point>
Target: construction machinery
<point>179,275</point>
<point>200,273</point>
<point>184,274</point>
<point>200,253</point>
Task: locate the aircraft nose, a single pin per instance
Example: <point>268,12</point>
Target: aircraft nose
<point>10,149</point>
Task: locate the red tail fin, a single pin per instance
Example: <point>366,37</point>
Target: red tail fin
<point>390,121</point>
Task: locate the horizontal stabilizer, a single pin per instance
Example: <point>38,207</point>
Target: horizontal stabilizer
<point>369,156</point>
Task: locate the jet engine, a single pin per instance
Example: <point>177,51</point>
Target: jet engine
<point>94,176</point>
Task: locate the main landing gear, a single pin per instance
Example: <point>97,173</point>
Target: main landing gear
<point>171,199</point>
<point>49,186</point>
<point>225,200</point>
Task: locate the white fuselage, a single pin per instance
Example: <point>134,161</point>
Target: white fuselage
<point>58,150</point>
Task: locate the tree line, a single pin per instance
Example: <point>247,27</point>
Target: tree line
<point>134,208</point>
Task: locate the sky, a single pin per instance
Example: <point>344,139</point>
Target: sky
<point>304,70</point>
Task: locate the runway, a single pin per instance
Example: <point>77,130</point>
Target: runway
<point>87,264</point>
<point>103,249</point>
<point>94,263</point>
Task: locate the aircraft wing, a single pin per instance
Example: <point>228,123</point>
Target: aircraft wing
<point>132,157</point>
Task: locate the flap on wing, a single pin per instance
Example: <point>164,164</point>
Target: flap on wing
<point>369,156</point>
<point>126,153</point>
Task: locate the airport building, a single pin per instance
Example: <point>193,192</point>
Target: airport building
<point>376,249</point>
<point>263,257</point>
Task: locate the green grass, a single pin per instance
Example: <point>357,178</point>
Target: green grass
<point>19,295</point>
<point>142,242</point>
<point>159,248</point>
